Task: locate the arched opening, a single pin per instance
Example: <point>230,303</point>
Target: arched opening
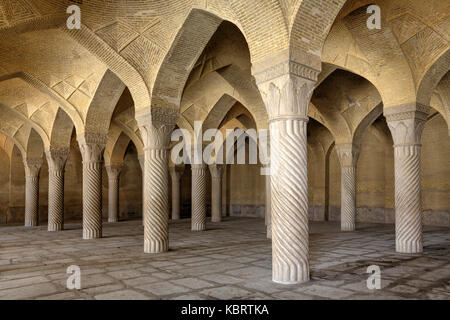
<point>320,141</point>
<point>436,172</point>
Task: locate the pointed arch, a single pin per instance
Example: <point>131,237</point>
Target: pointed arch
<point>311,23</point>
<point>35,147</point>
<point>68,108</point>
<point>117,150</point>
<point>62,130</point>
<point>100,111</point>
<point>190,41</point>
<point>11,113</point>
<point>367,121</point>
<point>432,77</point>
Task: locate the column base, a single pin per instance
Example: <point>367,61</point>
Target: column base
<point>113,220</point>
<point>293,275</point>
<point>348,227</point>
<point>301,279</point>
<point>92,234</point>
<point>198,227</point>
<point>155,246</point>
<point>31,224</point>
<point>269,231</point>
<point>54,227</point>
<point>290,282</point>
<point>216,219</point>
<point>409,247</point>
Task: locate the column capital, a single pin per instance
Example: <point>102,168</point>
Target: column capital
<point>216,170</point>
<point>114,170</point>
<point>406,123</point>
<point>92,146</point>
<point>32,166</point>
<point>156,136</point>
<point>156,127</point>
<point>348,154</point>
<point>56,158</point>
<point>286,83</point>
<point>287,96</point>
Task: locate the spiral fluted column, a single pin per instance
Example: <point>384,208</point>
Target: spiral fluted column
<point>286,89</point>
<point>348,157</point>
<point>216,171</point>
<point>92,147</point>
<point>406,129</point>
<point>113,171</point>
<point>289,185</point>
<point>176,173</point>
<point>56,159</point>
<point>198,215</point>
<point>156,136</point>
<point>142,165</point>
<point>268,206</point>
<point>32,169</point>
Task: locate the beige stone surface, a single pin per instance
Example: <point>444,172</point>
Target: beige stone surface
<point>346,107</point>
<point>233,262</point>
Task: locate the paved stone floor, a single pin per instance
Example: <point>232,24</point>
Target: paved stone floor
<point>231,260</point>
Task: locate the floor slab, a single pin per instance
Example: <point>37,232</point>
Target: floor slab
<point>230,260</point>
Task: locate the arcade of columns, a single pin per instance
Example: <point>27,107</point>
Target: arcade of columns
<point>286,79</point>
<point>287,220</point>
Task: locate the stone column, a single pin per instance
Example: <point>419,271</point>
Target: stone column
<point>32,169</point>
<point>216,171</point>
<point>92,146</point>
<point>56,159</point>
<point>406,129</point>
<point>286,89</point>
<point>198,215</point>
<point>142,165</point>
<point>348,157</point>
<point>113,171</point>
<point>267,208</point>
<point>176,172</point>
<point>156,136</point>
<point>265,152</point>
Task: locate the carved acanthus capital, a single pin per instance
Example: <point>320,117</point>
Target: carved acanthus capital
<point>156,136</point>
<point>348,154</point>
<point>406,122</point>
<point>92,146</point>
<point>56,158</point>
<point>407,131</point>
<point>287,96</point>
<point>216,171</point>
<point>156,128</point>
<point>114,170</point>
<point>32,166</point>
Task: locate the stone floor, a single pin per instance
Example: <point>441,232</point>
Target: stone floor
<point>231,260</point>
